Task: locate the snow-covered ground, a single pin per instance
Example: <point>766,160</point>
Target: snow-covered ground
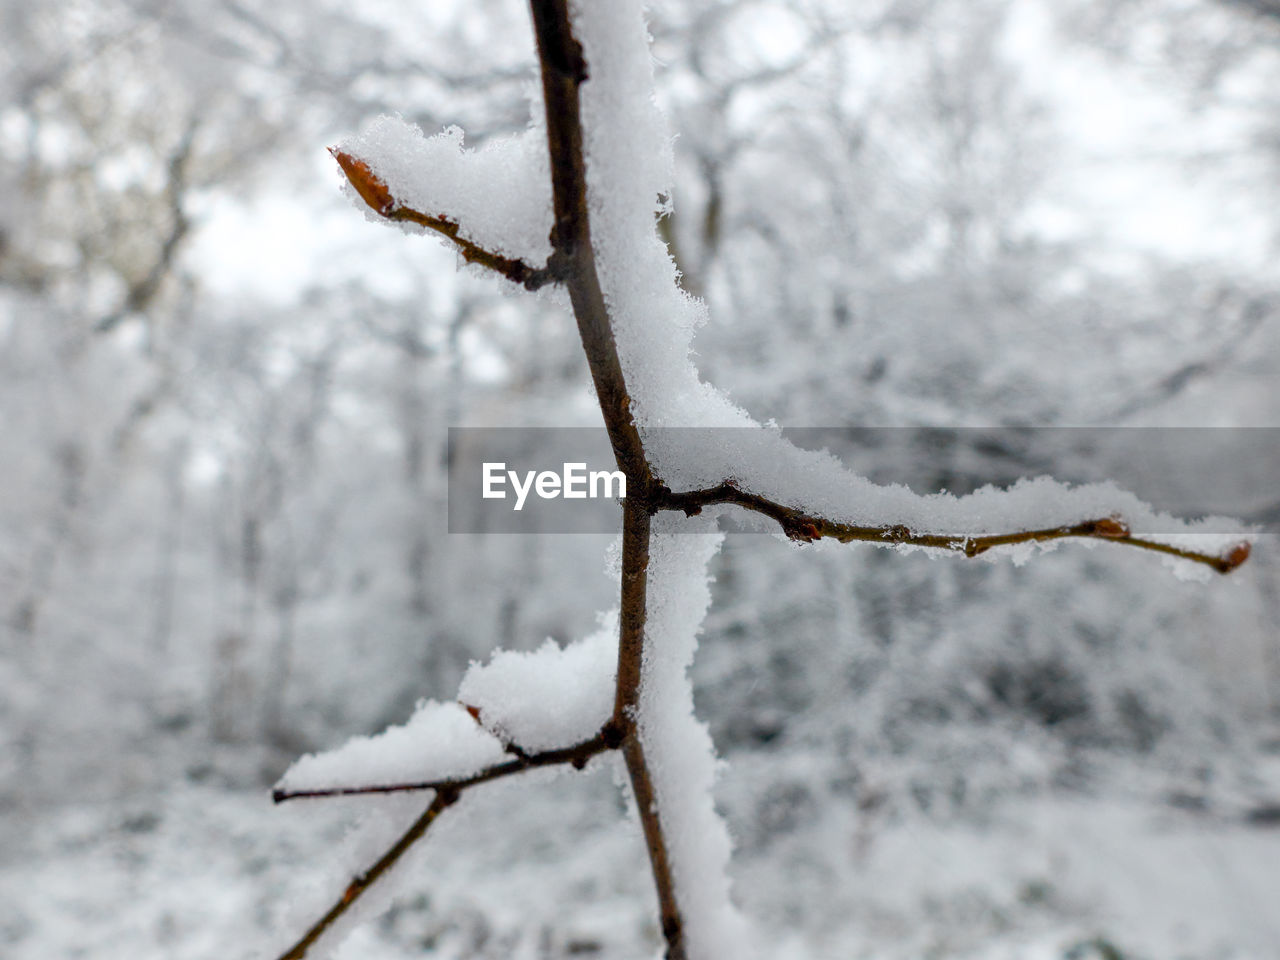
<point>532,869</point>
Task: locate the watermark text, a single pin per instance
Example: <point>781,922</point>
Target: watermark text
<point>573,482</point>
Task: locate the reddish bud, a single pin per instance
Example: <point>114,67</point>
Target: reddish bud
<point>1111,526</point>
<point>372,190</point>
<point>803,531</point>
<point>1238,555</point>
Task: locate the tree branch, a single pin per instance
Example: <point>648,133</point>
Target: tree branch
<point>635,579</point>
<point>358,885</point>
<point>572,262</point>
<point>447,793</point>
<point>378,197</point>
<point>577,756</point>
<point>806,528</point>
<point>143,291</point>
<point>659,862</point>
<point>563,71</point>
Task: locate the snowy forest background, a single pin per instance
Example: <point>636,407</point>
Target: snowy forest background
<point>224,399</point>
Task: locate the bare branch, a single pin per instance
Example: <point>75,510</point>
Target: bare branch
<point>804,527</point>
<point>563,71</point>
<point>635,578</point>
<point>572,262</point>
<point>660,864</point>
<point>358,885</point>
<point>447,793</point>
<point>378,196</point>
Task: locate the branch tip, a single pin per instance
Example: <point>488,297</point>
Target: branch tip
<point>804,528</point>
<point>372,190</point>
<point>377,196</point>
<point>1237,555</point>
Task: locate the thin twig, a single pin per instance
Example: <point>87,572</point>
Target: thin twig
<point>659,860</point>
<point>447,793</point>
<point>356,888</point>
<point>636,525</point>
<point>375,193</point>
<point>806,528</point>
<point>577,756</point>
<point>632,615</point>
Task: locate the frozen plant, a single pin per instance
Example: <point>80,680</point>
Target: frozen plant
<point>569,207</point>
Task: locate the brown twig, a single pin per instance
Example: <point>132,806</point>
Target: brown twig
<point>447,793</point>
<point>632,615</point>
<point>636,525</point>
<point>648,810</point>
<point>563,71</point>
<point>805,527</point>
<point>377,195</point>
<point>576,756</point>
<point>358,885</point>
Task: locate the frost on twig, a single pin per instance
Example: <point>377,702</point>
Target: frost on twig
<point>493,204</point>
<point>1222,553</point>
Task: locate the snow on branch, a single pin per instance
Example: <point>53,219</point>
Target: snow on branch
<point>550,696</point>
<point>440,742</point>
<point>679,753</point>
<point>493,203</point>
<point>526,706</point>
<point>805,527</point>
<point>810,494</point>
<point>527,701</point>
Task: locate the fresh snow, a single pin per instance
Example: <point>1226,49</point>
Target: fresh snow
<point>499,194</point>
<point>550,697</point>
<point>440,741</point>
<point>678,747</point>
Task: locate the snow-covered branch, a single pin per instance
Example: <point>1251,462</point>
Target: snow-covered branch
<point>806,527</point>
<point>377,195</point>
<point>575,756</point>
